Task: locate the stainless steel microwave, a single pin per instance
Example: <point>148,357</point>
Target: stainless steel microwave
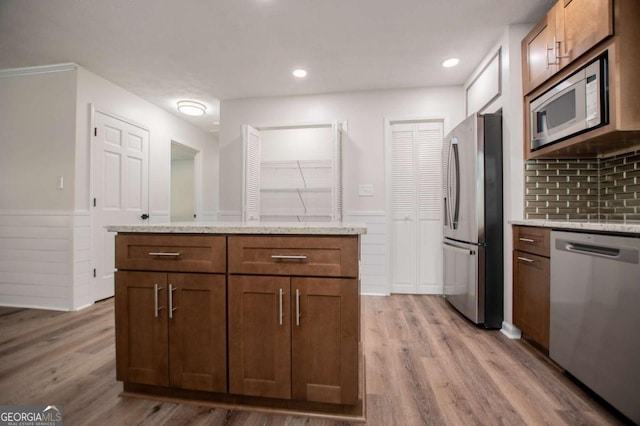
<point>577,104</point>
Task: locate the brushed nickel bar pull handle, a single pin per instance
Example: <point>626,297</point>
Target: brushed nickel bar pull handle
<point>280,313</point>
<point>298,307</point>
<point>286,256</point>
<point>524,259</point>
<point>156,308</point>
<point>162,253</point>
<point>527,240</point>
<point>171,308</point>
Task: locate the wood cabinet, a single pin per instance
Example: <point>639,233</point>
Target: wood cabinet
<point>531,283</point>
<point>260,336</point>
<point>585,30</point>
<point>171,326</point>
<point>538,59</point>
<point>580,25</point>
<point>294,337</point>
<point>568,30</point>
<point>281,322</point>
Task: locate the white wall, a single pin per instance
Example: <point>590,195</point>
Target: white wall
<point>164,127</point>
<point>363,162</point>
<point>513,164</point>
<point>182,190</point>
<point>37,130</point>
<point>45,120</point>
<point>364,149</point>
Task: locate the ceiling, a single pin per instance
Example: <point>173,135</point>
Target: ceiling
<point>212,50</point>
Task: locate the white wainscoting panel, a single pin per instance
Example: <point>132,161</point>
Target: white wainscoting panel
<point>82,271</point>
<point>207,216</point>
<point>36,259</point>
<point>373,252</point>
<point>230,216</point>
<point>159,216</point>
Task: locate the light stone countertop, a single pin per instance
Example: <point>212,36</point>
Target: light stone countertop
<point>616,227</point>
<point>271,228</point>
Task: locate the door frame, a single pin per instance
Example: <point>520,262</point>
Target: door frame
<point>388,121</point>
<point>197,178</point>
<point>93,109</point>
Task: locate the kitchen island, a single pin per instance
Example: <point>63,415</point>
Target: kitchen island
<point>241,315</point>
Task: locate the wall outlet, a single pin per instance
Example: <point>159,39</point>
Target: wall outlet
<point>365,190</point>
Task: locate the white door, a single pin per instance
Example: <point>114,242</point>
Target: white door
<point>414,160</point>
<point>119,186</point>
<point>251,174</point>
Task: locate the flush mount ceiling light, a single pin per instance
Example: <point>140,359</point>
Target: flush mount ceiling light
<point>451,62</point>
<point>192,108</point>
<point>300,73</point>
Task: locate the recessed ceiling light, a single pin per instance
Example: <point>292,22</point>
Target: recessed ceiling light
<point>192,107</point>
<point>451,62</point>
<point>300,73</point>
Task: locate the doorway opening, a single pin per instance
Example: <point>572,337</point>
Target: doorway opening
<point>183,193</point>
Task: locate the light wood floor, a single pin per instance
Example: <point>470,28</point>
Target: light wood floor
<point>424,365</point>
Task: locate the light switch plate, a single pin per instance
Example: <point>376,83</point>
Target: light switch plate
<point>59,182</point>
<point>365,190</point>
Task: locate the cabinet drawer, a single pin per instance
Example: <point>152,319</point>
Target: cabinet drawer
<point>531,277</point>
<point>531,239</point>
<point>294,255</point>
<point>179,253</point>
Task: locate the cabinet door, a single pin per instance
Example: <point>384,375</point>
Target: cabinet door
<point>538,55</point>
<point>325,339</point>
<point>259,336</point>
<point>198,332</point>
<point>142,354</point>
<point>580,25</point>
<point>531,276</point>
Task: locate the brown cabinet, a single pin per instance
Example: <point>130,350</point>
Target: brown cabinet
<point>294,337</point>
<point>584,31</point>
<point>538,60</point>
<point>174,253</point>
<point>568,30</point>
<point>171,330</point>
<point>283,321</point>
<point>580,25</point>
<point>294,255</point>
<point>171,327</point>
<point>260,336</point>
<point>531,280</point>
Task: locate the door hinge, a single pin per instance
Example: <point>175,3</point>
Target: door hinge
<point>94,272</point>
<point>94,202</point>
<point>95,131</point>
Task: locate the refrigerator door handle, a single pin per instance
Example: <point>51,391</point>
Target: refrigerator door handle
<point>459,249</point>
<point>456,157</point>
<point>446,213</point>
<point>448,187</point>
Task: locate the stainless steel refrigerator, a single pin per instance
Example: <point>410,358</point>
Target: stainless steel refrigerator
<point>473,225</point>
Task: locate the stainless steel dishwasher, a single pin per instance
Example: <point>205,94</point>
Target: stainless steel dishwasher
<point>595,314</point>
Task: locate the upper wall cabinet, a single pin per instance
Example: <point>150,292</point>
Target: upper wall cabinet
<point>570,110</point>
<point>570,28</point>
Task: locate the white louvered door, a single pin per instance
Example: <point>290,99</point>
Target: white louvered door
<point>416,168</point>
<point>251,174</point>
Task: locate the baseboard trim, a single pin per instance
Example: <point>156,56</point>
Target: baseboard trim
<point>510,330</point>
